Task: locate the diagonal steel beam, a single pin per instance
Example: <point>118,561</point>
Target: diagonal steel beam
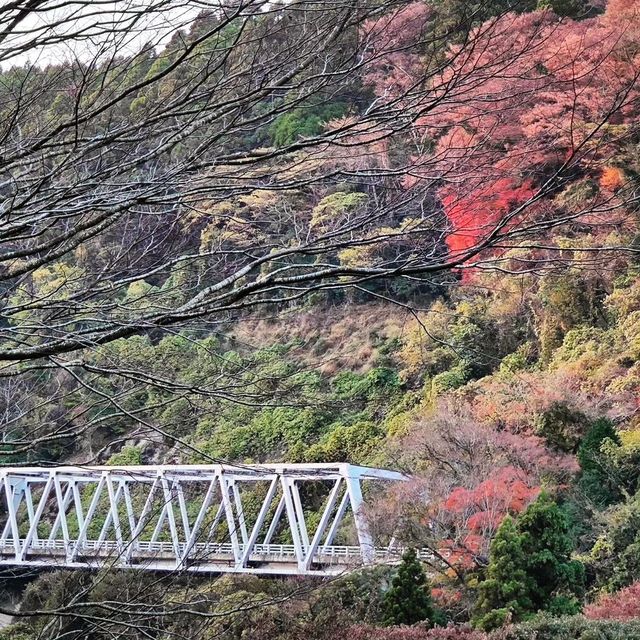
<point>262,515</point>
<point>95,499</point>
<point>275,521</point>
<point>337,520</point>
<point>10,495</point>
<point>62,503</point>
<point>114,497</point>
<point>32,534</point>
<point>322,525</point>
<point>195,530</point>
<point>171,517</point>
<point>365,539</point>
<point>302,525</point>
<point>231,522</point>
<point>242,525</point>
<point>293,521</point>
<point>128,503</point>
<point>184,515</point>
<point>145,518</point>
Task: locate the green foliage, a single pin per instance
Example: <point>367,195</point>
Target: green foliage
<point>614,559</point>
<point>127,456</point>
<point>351,386</point>
<point>408,600</point>
<point>304,122</point>
<point>584,341</point>
<point>598,478</point>
<point>138,103</point>
<point>519,360</point>
<point>260,434</point>
<point>355,443</point>
<point>19,631</point>
<point>564,606</point>
<point>621,459</point>
<point>333,209</point>
<point>561,426</point>
<point>463,342</point>
<point>578,193</point>
<point>361,594</point>
<point>475,336</point>
<point>567,302</point>
<point>340,427</point>
<point>530,568</point>
<point>568,8</point>
<point>547,546</point>
<point>454,378</point>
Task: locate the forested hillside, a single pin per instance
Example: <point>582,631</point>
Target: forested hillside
<point>396,234</point>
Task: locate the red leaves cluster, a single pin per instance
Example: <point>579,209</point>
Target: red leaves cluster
<point>482,508</point>
<point>446,597</point>
<point>473,474</point>
<point>622,605</point>
<point>489,502</point>
<point>475,216</point>
<point>544,83</point>
<point>536,90</point>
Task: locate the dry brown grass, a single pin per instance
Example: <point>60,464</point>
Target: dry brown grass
<point>346,337</point>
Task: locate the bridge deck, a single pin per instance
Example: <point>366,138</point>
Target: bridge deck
<point>276,559</point>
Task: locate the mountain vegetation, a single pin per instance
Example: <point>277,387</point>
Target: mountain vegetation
<point>395,233</point>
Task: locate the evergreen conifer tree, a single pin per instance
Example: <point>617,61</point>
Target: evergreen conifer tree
<point>408,600</point>
<point>505,592</point>
<point>530,568</point>
<point>547,547</point>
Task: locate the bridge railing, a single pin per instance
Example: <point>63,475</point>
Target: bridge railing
<point>202,549</point>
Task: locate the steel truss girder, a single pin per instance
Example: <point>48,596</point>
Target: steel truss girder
<point>191,517</point>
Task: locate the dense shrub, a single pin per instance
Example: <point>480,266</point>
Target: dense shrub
<point>546,627</point>
<point>622,605</point>
<point>304,122</point>
<point>614,559</point>
<point>418,632</point>
<point>127,456</point>
<point>562,426</point>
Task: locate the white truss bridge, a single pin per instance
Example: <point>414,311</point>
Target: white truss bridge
<point>200,518</point>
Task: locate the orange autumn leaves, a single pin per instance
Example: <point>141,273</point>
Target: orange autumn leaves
<point>612,178</point>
